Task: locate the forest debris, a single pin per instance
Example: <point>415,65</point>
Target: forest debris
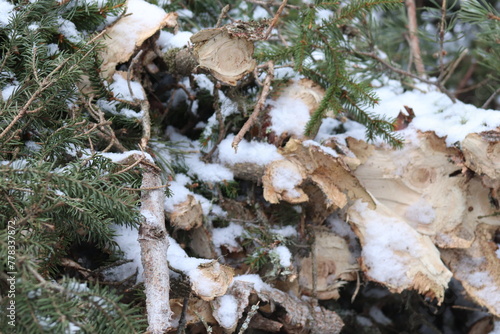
<point>311,164</point>
<point>285,178</point>
<point>303,314</point>
<point>334,265</point>
<point>304,90</point>
<point>478,268</point>
<point>219,276</point>
<point>227,57</point>
<point>264,324</point>
<point>187,215</point>
<point>141,21</point>
<point>422,185</point>
<point>482,151</point>
<point>208,278</point>
<point>154,245</point>
<point>394,254</point>
<point>196,308</point>
<point>200,242</point>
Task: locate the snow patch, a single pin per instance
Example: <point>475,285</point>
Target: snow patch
<point>248,152</point>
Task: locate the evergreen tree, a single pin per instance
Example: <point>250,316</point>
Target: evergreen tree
<point>56,191</point>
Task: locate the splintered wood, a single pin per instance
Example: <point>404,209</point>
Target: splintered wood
<point>138,25</point>
<point>320,179</point>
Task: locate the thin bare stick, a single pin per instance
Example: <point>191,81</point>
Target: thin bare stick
<point>220,119</point>
<point>451,69</point>
<point>275,19</point>
<point>414,42</point>
<point>223,14</point>
<point>441,40</point>
<point>409,74</point>
<point>138,161</point>
<point>146,124</point>
<point>258,106</point>
<point>269,3</point>
<point>130,72</point>
<point>488,101</point>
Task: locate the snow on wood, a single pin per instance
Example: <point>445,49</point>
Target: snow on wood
<point>478,268</point>
<point>301,314</point>
<point>394,254</point>
<point>314,171</point>
<point>141,21</point>
<point>154,246</point>
<point>421,185</point>
<point>208,278</point>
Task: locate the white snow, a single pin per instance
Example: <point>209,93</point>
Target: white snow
<point>8,90</point>
<point>434,111</point>
<point>286,231</point>
<point>69,31</point>
<point>421,212</point>
<point>168,41</point>
<point>258,283</point>
<point>6,9</point>
<point>482,281</point>
<point>179,191</point>
<point>227,236</point>
<point>120,89</point>
<point>386,237</point>
<point>287,180</point>
<point>127,239</point>
<point>117,157</point>
<point>207,172</point>
<point>260,13</point>
<point>284,255</point>
<point>328,150</point>
<point>288,115</point>
<point>227,312</point>
<point>251,152</point>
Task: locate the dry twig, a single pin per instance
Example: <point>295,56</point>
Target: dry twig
<point>258,107</point>
<point>414,42</point>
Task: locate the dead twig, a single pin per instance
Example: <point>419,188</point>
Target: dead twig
<point>223,14</point>
<point>275,19</point>
<point>414,41</point>
<point>220,119</point>
<point>131,70</point>
<point>488,101</point>
<point>258,106</point>
<point>406,73</point>
<point>441,41</point>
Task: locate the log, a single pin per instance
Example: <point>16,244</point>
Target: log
<point>424,186</point>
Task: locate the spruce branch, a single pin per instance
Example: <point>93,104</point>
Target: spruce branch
<point>49,81</point>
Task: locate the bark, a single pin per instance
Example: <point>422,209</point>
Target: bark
<point>154,244</point>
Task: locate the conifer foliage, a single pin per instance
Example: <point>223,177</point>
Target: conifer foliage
<point>321,51</point>
<point>56,191</point>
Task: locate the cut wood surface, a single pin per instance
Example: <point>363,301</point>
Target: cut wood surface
<point>478,268</point>
<point>422,185</point>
